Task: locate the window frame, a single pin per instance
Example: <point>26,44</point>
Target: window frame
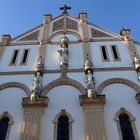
<point>132,120</point>
<point>10,123</point>
<point>106,51</point>
<point>55,122</point>
<point>12,57</point>
<point>23,53</point>
<point>117,52</point>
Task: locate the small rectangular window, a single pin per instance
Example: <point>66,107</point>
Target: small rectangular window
<point>115,52</point>
<point>25,56</point>
<point>104,53</point>
<point>14,57</point>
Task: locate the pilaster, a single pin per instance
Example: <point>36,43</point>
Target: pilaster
<point>85,35</point>
<point>129,42</point>
<point>94,117</point>
<point>4,41</point>
<point>32,118</point>
<point>44,38</point>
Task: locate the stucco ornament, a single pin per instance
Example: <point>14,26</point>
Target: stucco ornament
<point>90,84</point>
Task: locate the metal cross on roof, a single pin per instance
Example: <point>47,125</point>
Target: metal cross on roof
<point>65,8</point>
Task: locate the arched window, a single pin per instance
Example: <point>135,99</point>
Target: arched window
<point>126,125</point>
<point>63,126</point>
<point>5,123</point>
<point>3,127</point>
<point>126,128</point>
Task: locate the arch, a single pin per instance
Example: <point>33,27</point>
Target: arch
<point>63,81</point>
<point>131,120</point>
<point>62,112</point>
<point>62,32</point>
<point>118,80</point>
<point>16,84</point>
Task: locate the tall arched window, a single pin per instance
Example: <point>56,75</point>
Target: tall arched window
<point>5,123</point>
<point>126,125</point>
<point>63,126</point>
<point>3,127</point>
<point>126,128</point>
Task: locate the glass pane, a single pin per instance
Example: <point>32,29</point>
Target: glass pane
<point>63,128</point>
<point>126,128</point>
<point>3,128</point>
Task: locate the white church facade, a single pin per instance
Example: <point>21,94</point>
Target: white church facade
<point>68,79</point>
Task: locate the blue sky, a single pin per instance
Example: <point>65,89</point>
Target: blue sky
<point>18,16</point>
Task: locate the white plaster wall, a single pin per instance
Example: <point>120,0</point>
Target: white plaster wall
<point>117,96</point>
<point>76,58</point>
<point>52,57</point>
<point>64,97</point>
<point>10,100</point>
<point>7,56</point>
<point>97,56</point>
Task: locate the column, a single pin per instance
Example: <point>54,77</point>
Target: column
<point>33,112</point>
<point>94,117</point>
<point>85,35</point>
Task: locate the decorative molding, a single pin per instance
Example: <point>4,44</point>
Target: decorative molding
<point>70,70</point>
<point>41,102</point>
<point>58,25</point>
<point>62,32</point>
<point>32,36</point>
<point>16,84</point>
<point>71,24</point>
<point>95,100</point>
<point>63,81</point>
<point>96,33</point>
<point>120,81</point>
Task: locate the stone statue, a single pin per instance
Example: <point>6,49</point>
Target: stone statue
<point>37,84</point>
<point>40,61</point>
<point>63,56</point>
<point>90,84</point>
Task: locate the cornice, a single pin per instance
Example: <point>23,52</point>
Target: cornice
<point>69,71</point>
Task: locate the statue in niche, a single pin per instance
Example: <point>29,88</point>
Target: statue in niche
<point>37,84</point>
<point>90,84</point>
<point>63,57</point>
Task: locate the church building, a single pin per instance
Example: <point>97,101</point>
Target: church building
<point>69,79</point>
